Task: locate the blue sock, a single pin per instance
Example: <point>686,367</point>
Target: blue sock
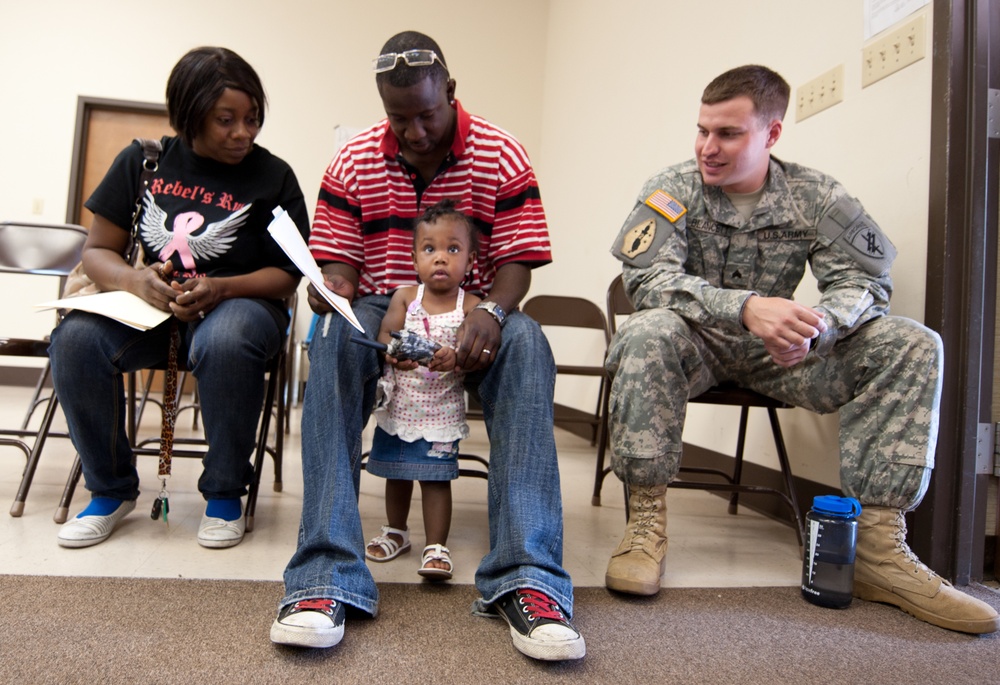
<point>101,506</point>
<point>225,509</point>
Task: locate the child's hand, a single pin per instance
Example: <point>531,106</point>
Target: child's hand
<point>401,364</point>
<point>445,359</point>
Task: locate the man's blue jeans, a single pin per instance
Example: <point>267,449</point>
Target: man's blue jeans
<point>525,505</point>
<point>227,352</point>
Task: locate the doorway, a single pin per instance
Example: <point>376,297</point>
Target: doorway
<point>949,529</point>
<point>103,129</point>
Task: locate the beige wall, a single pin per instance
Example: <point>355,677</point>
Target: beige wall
<point>602,95</point>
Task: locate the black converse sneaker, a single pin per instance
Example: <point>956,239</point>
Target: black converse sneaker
<point>538,626</point>
<point>309,623</point>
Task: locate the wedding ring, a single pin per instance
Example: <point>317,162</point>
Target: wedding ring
<point>486,351</point>
<point>201,313</point>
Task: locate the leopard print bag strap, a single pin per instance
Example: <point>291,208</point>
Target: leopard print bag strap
<point>161,505</point>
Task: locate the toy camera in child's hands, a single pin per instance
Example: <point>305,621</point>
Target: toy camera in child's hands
<point>406,346</point>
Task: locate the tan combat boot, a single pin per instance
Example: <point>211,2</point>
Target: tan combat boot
<point>886,570</point>
<point>637,564</point>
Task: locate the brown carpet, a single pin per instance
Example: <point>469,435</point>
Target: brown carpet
<point>126,630</point>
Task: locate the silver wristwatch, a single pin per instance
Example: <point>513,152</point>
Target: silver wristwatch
<point>494,310</point>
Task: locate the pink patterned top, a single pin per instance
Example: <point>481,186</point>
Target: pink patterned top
<point>420,403</point>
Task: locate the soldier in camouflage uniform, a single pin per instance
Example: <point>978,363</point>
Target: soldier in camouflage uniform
<point>712,255</point>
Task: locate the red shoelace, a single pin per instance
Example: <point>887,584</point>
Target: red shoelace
<point>324,605</point>
<point>539,605</point>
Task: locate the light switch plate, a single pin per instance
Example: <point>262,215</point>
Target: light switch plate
<point>897,49</point>
<point>822,92</point>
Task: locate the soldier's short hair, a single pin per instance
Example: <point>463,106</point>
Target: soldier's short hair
<point>768,91</point>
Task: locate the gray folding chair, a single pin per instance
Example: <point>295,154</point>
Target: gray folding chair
<point>36,249</point>
<point>562,311</point>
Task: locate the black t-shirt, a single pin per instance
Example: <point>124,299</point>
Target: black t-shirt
<point>207,217</point>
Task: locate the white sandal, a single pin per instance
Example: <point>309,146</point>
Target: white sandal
<point>436,553</point>
<point>391,548</point>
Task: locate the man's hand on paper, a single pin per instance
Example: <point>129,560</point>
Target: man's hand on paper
<point>339,278</point>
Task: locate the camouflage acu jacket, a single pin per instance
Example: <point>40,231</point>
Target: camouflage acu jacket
<point>685,246</point>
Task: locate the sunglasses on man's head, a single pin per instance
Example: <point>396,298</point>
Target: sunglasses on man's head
<point>412,58</point>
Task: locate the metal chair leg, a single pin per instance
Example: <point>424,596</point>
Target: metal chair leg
<point>786,470</point>
<point>62,511</point>
<point>262,451</point>
<point>734,498</point>
<point>602,442</point>
<point>17,508</point>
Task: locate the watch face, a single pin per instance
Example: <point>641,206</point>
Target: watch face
<point>494,309</point>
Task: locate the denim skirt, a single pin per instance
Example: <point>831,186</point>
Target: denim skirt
<point>393,458</point>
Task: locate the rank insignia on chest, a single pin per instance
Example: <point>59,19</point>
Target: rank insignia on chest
<point>638,239</point>
<point>666,205</point>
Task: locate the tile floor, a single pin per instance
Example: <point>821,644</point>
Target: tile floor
<point>708,547</point>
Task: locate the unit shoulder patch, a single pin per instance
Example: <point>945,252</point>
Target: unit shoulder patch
<point>644,233</point>
<point>639,238</point>
<point>849,227</point>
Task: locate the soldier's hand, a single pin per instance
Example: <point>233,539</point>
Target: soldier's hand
<point>782,324</point>
<point>788,357</point>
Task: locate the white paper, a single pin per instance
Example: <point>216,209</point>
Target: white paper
<point>284,232</point>
<point>119,305</point>
<point>881,14</point>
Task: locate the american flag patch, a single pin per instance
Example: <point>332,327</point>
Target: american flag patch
<point>666,205</point>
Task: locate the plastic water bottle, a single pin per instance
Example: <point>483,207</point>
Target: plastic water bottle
<point>831,541</point>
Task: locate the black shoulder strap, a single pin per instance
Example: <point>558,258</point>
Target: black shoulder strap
<point>151,150</point>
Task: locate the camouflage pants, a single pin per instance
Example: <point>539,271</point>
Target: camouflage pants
<point>885,380</point>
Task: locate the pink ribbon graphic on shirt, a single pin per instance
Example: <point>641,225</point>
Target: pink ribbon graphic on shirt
<point>184,225</point>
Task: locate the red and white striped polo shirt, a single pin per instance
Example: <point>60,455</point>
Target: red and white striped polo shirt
<point>367,205</point>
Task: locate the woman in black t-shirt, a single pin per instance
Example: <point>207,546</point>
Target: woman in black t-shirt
<point>210,262</point>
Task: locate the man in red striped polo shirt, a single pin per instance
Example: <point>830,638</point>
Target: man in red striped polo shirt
<point>427,149</point>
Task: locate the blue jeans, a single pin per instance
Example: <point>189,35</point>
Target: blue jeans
<point>227,352</point>
<point>525,505</point>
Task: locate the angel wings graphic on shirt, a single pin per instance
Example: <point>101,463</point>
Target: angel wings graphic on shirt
<point>215,240</point>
